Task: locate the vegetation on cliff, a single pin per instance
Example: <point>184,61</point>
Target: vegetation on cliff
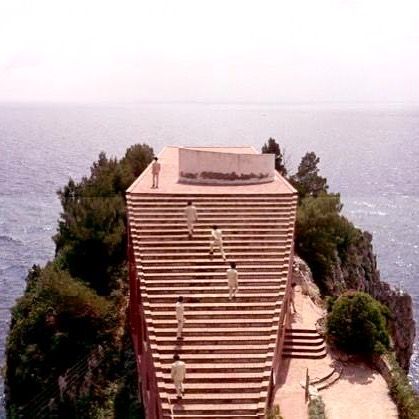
<point>356,323</point>
<point>340,255</point>
<point>76,302</point>
<point>323,236</point>
<point>401,391</point>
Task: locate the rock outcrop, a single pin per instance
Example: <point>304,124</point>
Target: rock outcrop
<point>358,271</point>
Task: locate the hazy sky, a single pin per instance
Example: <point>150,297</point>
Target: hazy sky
<point>209,50</point>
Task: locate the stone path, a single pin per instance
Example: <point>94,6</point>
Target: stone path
<point>360,393</point>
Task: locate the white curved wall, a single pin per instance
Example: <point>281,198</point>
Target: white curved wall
<point>211,167</point>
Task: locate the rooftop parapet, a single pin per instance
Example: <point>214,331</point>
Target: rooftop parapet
<point>223,168</point>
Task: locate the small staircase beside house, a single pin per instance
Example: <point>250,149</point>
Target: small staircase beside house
<point>304,344</point>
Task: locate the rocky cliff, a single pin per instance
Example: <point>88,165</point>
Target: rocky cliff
<point>358,271</point>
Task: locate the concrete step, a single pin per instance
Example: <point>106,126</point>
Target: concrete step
<point>198,245</point>
<point>216,290</point>
<point>214,388</point>
<point>221,298</point>
<point>304,355</point>
<point>203,198</point>
<point>239,330</point>
<point>228,232</point>
<point>210,215</point>
<point>219,358</point>
<point>213,340</point>
<point>236,236</point>
<point>200,315</point>
<point>188,260</point>
<point>147,243</point>
<point>302,335</point>
<point>197,410</point>
<point>229,323</point>
<point>206,204</point>
<point>192,326</point>
<point>303,342</point>
<point>301,331</point>
<point>228,229</point>
<point>167,254</point>
<point>216,367</point>
<point>214,271</point>
<point>214,268</point>
<point>232,398</point>
<point>219,274</point>
<point>167,415</point>
<point>214,213</point>
<point>261,282</point>
<point>207,224</point>
<point>227,308</point>
<point>215,204</point>
<point>217,377</point>
<point>200,349</point>
<point>305,349</point>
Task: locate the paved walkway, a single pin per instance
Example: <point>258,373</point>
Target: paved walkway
<point>361,393</point>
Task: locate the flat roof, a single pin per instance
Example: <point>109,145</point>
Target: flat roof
<point>169,176</point>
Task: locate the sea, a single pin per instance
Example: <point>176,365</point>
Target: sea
<point>368,152</point>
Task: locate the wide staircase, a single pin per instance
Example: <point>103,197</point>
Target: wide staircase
<point>228,346</point>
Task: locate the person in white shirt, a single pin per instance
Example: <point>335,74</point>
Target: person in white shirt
<point>178,373</point>
<point>180,317</point>
<point>155,170</point>
<point>191,217</point>
<point>233,280</point>
<point>217,240</point>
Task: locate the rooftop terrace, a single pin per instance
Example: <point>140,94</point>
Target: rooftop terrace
<point>169,177</point>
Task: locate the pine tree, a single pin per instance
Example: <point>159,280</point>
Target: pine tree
<point>272,147</point>
<point>307,180</point>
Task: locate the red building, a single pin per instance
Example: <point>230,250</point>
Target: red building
<point>232,348</point>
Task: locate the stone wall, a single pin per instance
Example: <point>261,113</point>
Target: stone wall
<point>217,168</point>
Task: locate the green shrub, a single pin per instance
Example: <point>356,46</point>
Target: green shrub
<point>357,324</point>
<point>91,238</point>
<point>402,392</point>
<point>274,413</point>
<point>39,351</point>
<point>307,180</point>
<point>272,147</point>
<point>316,408</point>
<point>322,234</point>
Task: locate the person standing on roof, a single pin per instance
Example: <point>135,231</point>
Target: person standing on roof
<point>217,240</point>
<point>179,317</point>
<point>233,280</point>
<point>155,170</point>
<point>191,217</point>
<point>178,373</point>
